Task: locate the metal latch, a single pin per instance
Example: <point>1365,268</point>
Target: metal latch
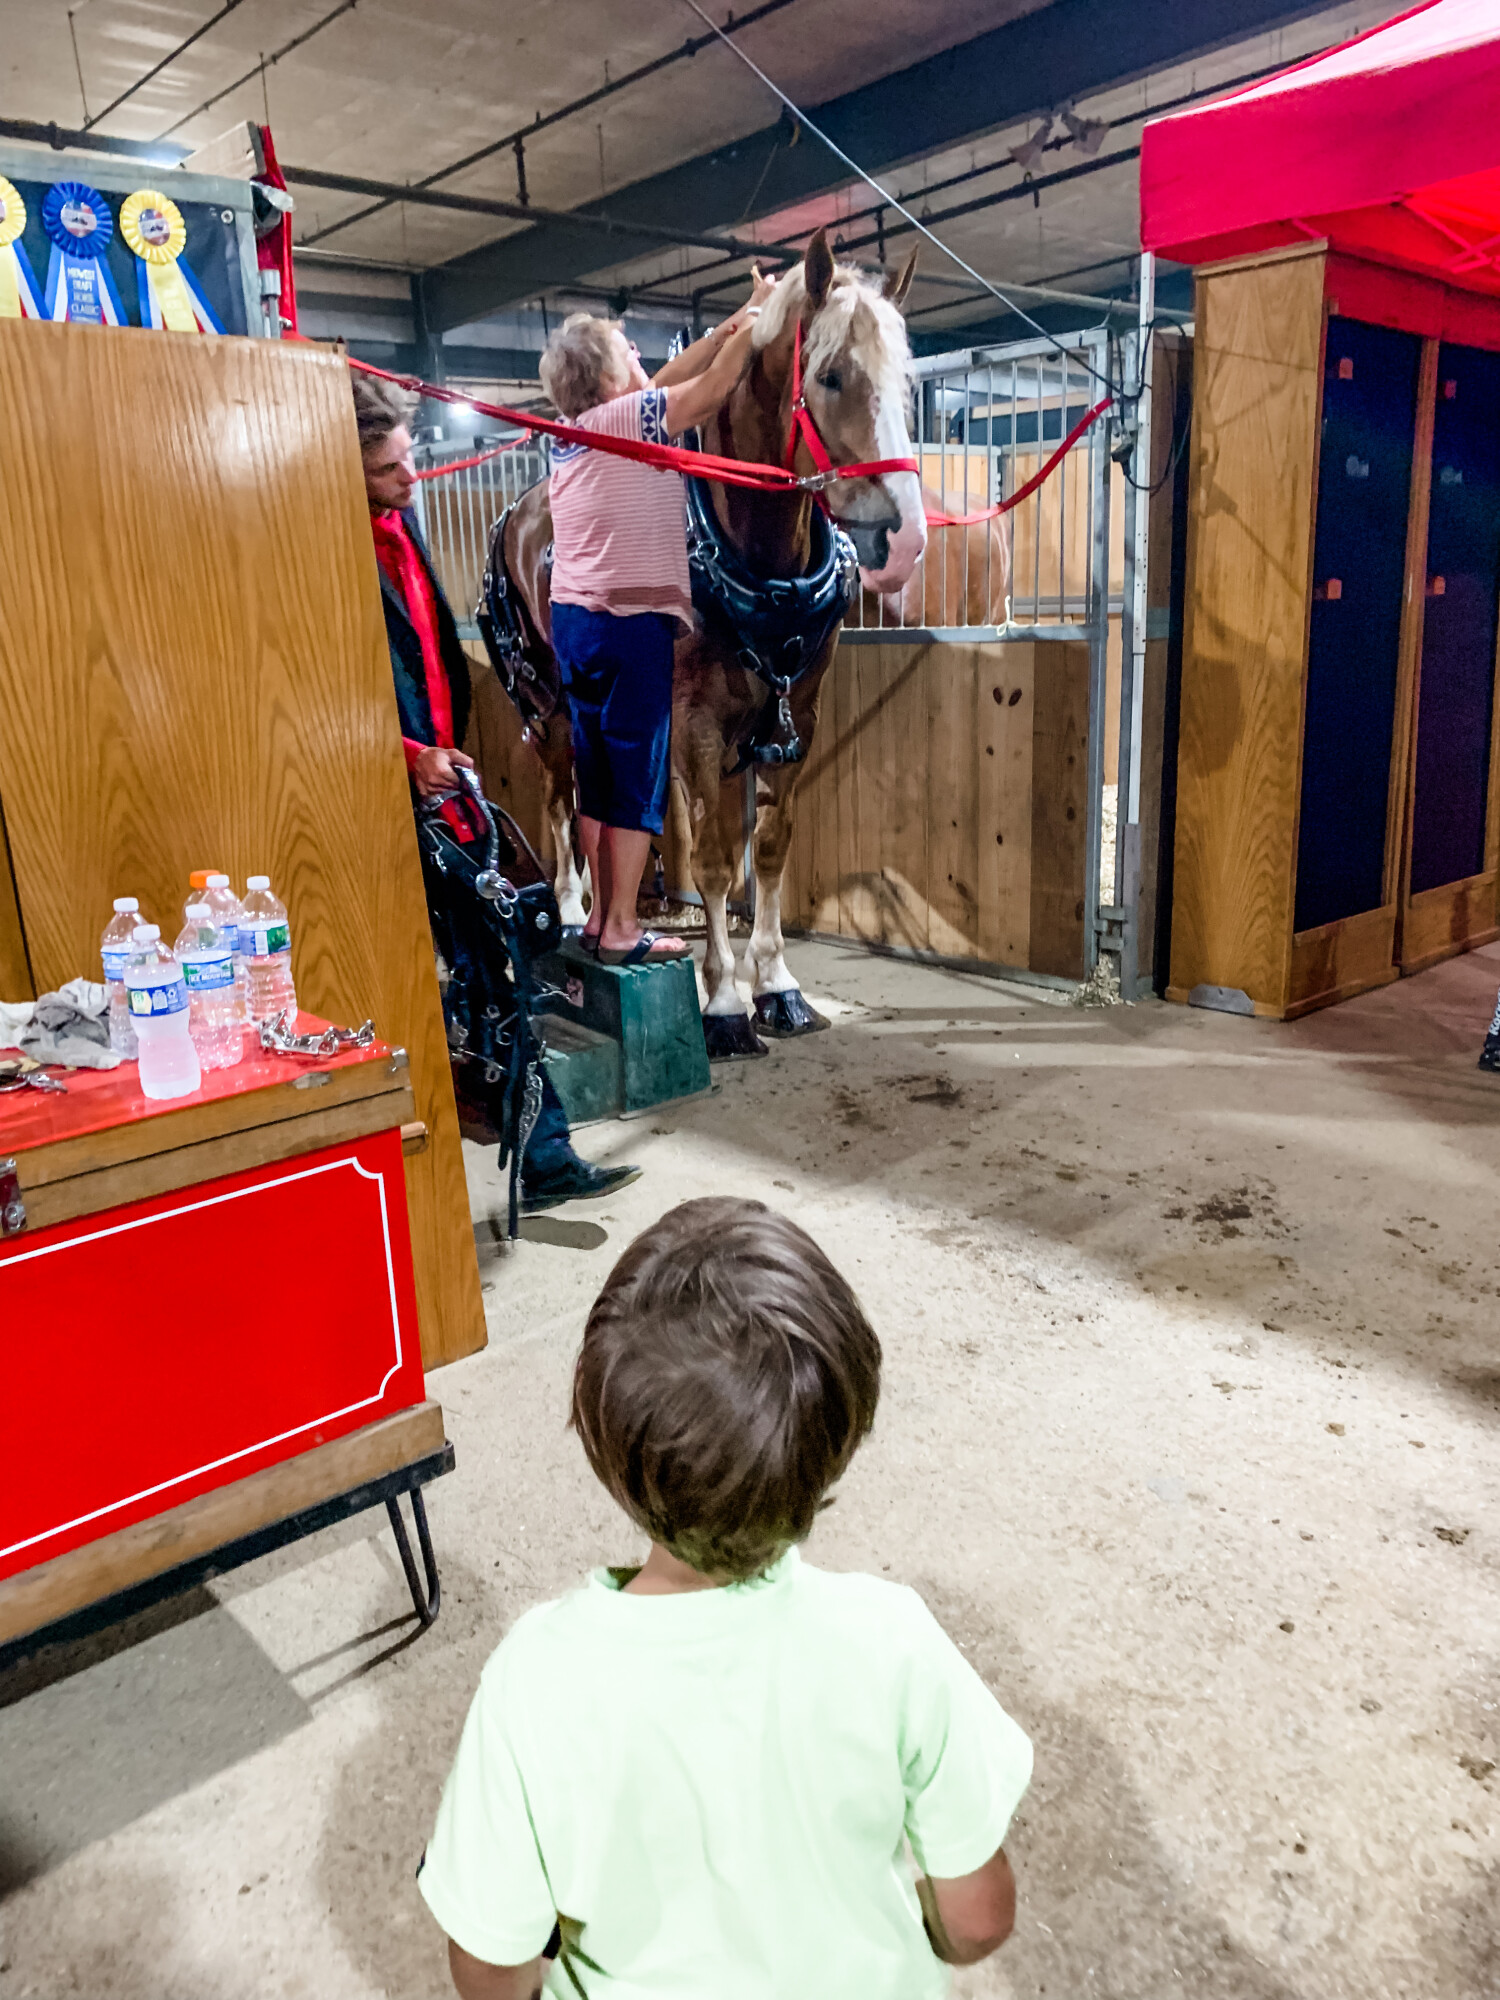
<point>12,1208</point>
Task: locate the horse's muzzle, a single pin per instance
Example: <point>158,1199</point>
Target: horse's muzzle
<point>872,541</point>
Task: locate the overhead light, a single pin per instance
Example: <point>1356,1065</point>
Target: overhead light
<point>462,409</point>
<point>1030,150</point>
<point>1087,134</point>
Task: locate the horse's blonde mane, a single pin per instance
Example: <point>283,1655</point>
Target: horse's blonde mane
<point>857,318</point>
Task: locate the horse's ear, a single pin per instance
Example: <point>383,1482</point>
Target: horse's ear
<point>817,269</point>
<point>897,288</point>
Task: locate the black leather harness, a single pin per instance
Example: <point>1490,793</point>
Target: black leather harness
<point>526,664</point>
<point>777,625</point>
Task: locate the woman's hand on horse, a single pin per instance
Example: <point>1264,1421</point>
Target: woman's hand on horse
<point>693,402</point>
<point>760,290</point>
<point>436,771</point>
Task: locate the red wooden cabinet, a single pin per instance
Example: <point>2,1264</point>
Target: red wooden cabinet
<point>201,1292</point>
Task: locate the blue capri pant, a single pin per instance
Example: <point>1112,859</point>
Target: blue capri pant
<point>618,676</point>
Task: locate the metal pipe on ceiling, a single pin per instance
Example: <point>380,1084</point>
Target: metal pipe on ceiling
<point>542,123</point>
<point>391,192</point>
<point>169,58</point>
<point>62,137</point>
<point>265,63</point>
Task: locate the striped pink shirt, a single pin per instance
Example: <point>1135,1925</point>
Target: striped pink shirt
<point>619,539</point>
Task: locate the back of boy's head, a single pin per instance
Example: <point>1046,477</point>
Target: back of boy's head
<point>726,1379</point>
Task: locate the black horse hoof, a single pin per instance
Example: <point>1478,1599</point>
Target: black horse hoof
<point>731,1038</point>
<point>787,1014</point>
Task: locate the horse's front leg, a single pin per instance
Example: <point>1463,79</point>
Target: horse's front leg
<point>556,755</point>
<point>727,1028</point>
<point>779,1006</point>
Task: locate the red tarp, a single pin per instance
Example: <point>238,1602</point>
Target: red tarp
<point>1388,146</point>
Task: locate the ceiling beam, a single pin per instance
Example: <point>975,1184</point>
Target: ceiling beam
<point>1064,51</point>
<point>586,222</point>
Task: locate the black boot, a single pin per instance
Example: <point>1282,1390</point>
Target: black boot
<point>569,1179</point>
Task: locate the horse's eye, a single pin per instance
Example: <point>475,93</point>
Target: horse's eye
<point>831,380</point>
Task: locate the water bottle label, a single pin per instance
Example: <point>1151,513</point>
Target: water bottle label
<point>264,940</point>
<point>167,997</point>
<point>115,962</point>
<point>208,975</point>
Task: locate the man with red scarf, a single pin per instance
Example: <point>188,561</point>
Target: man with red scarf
<point>433,693</point>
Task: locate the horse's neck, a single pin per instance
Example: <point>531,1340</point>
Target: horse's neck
<point>771,531</point>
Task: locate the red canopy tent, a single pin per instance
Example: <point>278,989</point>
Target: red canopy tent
<point>1388,147</point>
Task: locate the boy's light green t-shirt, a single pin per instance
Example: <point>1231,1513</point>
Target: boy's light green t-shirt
<point>714,1790</point>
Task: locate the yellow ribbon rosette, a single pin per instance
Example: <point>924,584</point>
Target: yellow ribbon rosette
<point>152,225</point>
<point>18,294</point>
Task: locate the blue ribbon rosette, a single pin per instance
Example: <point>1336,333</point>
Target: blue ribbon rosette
<point>79,225</point>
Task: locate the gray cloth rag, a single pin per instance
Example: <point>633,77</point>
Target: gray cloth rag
<point>71,1027</point>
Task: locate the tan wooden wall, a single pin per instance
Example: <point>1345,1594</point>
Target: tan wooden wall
<point>1256,376</point>
<point>943,806</point>
<point>194,672</point>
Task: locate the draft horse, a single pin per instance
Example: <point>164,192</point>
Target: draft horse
<point>773,574</point>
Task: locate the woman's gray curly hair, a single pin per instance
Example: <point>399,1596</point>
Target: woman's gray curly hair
<point>580,358</point>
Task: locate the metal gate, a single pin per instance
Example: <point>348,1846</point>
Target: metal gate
<point>456,510</point>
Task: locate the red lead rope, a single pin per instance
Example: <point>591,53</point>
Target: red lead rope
<point>728,471</point>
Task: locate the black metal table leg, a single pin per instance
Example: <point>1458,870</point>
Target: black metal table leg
<point>428,1604</point>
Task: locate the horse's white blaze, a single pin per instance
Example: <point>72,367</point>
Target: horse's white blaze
<point>905,546</point>
<point>718,960</point>
<point>765,962</point>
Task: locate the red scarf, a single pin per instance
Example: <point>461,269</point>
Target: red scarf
<point>406,572</point>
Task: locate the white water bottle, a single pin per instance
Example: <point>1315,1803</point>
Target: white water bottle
<point>266,947</point>
<point>159,1013</point>
<point>206,957</point>
<point>224,906</point>
<point>114,950</point>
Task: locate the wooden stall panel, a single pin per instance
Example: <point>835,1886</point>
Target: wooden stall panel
<point>1059,809</point>
<point>1453,832</point>
<point>943,806</point>
<point>1258,348</point>
<point>193,632</point>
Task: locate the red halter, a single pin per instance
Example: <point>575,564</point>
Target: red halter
<point>804,427</point>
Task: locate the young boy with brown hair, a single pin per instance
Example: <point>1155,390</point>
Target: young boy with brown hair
<point>700,1778</point>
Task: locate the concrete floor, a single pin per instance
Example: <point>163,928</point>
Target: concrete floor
<point>1188,1436</point>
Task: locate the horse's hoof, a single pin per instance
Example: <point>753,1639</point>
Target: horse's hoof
<point>731,1038</point>
<point>786,1014</point>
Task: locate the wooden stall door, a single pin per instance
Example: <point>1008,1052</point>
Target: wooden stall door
<point>193,673</point>
<point>1453,839</point>
<point>1361,649</point>
<point>943,807</point>
<point>1257,353</point>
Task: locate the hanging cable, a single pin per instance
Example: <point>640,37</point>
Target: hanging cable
<point>900,207</point>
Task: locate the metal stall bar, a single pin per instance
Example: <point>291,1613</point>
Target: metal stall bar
<point>1098,635</point>
<point>1127,882</point>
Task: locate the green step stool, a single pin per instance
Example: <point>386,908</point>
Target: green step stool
<point>627,1037</point>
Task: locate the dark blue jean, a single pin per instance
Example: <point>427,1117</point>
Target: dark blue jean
<point>618,674</point>
<point>550,1145</point>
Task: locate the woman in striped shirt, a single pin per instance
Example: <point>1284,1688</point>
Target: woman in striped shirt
<point>620,593</point>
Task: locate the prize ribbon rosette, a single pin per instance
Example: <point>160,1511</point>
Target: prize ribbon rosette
<point>19,298</point>
<point>171,295</point>
<point>78,222</point>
